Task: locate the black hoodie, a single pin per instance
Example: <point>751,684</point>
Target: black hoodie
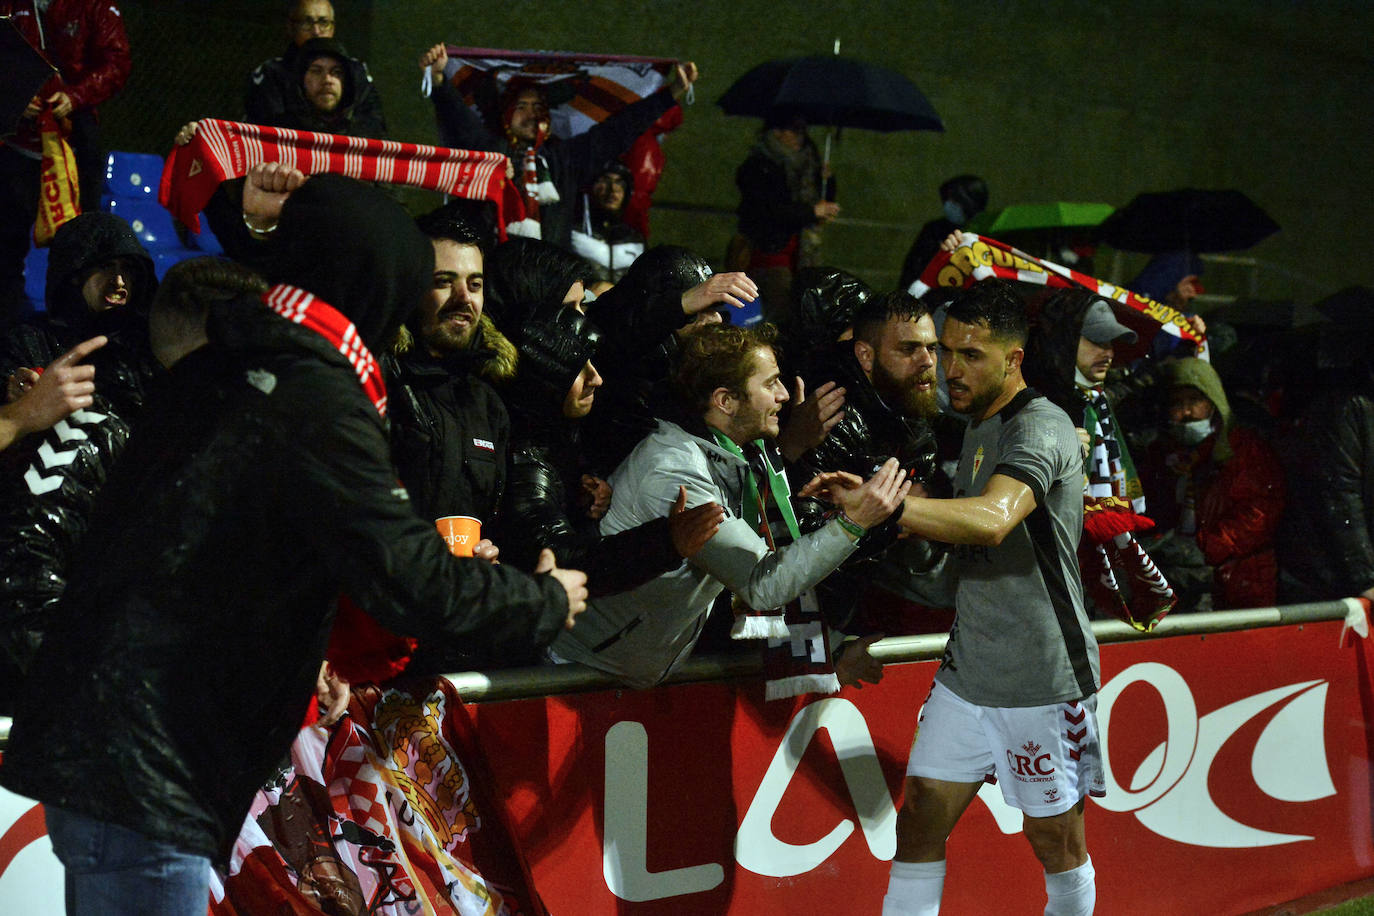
<point>275,95</point>
<point>258,489</point>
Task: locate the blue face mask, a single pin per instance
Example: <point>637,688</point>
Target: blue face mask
<point>954,213</point>
<point>1191,432</point>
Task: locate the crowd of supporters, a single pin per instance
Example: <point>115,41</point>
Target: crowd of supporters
<point>638,462</point>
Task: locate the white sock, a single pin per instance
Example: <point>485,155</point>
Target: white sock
<point>1072,892</point>
<point>914,889</point>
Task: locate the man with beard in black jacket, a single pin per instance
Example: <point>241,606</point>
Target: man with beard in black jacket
<point>449,429</point>
<point>887,373</point>
<point>258,489</point>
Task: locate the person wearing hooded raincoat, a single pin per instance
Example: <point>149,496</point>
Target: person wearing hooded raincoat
<point>1218,485</point>
<point>50,480</point>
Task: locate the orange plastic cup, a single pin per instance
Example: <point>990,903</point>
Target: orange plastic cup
<point>460,532</point>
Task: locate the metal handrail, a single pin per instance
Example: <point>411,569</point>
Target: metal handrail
<point>556,680</point>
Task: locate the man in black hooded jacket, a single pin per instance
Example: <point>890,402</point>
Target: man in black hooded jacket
<point>257,490</point>
<point>887,373</point>
<point>275,96</point>
<point>100,281</point>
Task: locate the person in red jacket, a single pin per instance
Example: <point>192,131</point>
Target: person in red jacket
<point>1216,490</point>
<point>85,41</point>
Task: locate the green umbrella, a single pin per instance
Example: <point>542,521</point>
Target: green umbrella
<point>1019,217</point>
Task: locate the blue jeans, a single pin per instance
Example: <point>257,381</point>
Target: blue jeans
<point>113,871</point>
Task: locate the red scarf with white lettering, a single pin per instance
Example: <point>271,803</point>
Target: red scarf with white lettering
<point>300,307</point>
<point>222,150</point>
<point>360,649</point>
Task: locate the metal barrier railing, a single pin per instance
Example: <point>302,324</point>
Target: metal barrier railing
<point>555,680</point>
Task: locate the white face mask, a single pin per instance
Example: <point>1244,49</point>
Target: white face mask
<point>1192,432</point>
<point>954,213</point>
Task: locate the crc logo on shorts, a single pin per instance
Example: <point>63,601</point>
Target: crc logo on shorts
<point>1031,766</point>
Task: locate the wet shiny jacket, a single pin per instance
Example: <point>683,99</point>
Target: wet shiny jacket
<point>870,433</point>
<point>1326,539</point>
<point>49,481</point>
<point>85,40</point>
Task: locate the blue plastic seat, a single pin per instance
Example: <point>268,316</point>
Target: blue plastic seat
<point>150,221</point>
<point>163,260</point>
<point>36,277</point>
<point>205,239</point>
<point>133,175</point>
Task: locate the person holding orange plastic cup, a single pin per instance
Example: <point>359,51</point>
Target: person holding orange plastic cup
<point>460,532</point>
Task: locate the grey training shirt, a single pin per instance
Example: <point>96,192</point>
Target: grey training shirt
<point>1021,636</point>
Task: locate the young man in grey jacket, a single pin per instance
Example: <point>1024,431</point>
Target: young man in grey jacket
<point>728,383</point>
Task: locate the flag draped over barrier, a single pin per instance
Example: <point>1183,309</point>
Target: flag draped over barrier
<point>388,812</point>
<point>222,150</point>
<point>980,257</point>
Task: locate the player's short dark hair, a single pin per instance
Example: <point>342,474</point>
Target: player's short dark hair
<point>718,356</point>
<point>880,309</point>
<point>994,304</point>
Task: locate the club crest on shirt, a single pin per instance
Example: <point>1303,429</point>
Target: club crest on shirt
<point>977,461</point>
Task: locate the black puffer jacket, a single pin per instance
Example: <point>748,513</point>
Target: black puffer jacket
<point>449,434</point>
<point>637,318</point>
<point>824,303</point>
<point>1325,540</point>
<point>51,479</point>
<point>870,433</point>
<point>542,506</point>
<point>258,489</point>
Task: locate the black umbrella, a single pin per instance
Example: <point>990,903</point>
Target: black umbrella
<point>1189,219</point>
<point>835,91</point>
<point>1352,305</point>
<point>27,70</point>
<point>1255,314</point>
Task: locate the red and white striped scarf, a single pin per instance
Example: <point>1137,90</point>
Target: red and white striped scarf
<point>980,257</point>
<point>300,307</point>
<point>222,150</point>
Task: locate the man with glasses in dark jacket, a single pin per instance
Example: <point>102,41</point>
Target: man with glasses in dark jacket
<point>277,94</point>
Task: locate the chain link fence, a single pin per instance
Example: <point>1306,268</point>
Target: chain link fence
<point>190,60</point>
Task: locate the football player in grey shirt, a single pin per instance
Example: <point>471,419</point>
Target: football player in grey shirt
<point>1015,696</point>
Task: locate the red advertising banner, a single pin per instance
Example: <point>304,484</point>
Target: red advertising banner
<point>1238,774</point>
<point>1238,777</point>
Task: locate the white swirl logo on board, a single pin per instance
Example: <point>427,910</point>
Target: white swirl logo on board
<point>1168,791</point>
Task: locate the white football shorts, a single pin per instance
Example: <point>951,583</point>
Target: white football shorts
<point>1044,758</point>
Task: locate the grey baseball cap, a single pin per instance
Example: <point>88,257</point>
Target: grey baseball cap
<point>1101,327</point>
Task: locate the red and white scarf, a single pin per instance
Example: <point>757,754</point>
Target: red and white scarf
<point>979,257</point>
<point>222,150</point>
<point>300,307</point>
